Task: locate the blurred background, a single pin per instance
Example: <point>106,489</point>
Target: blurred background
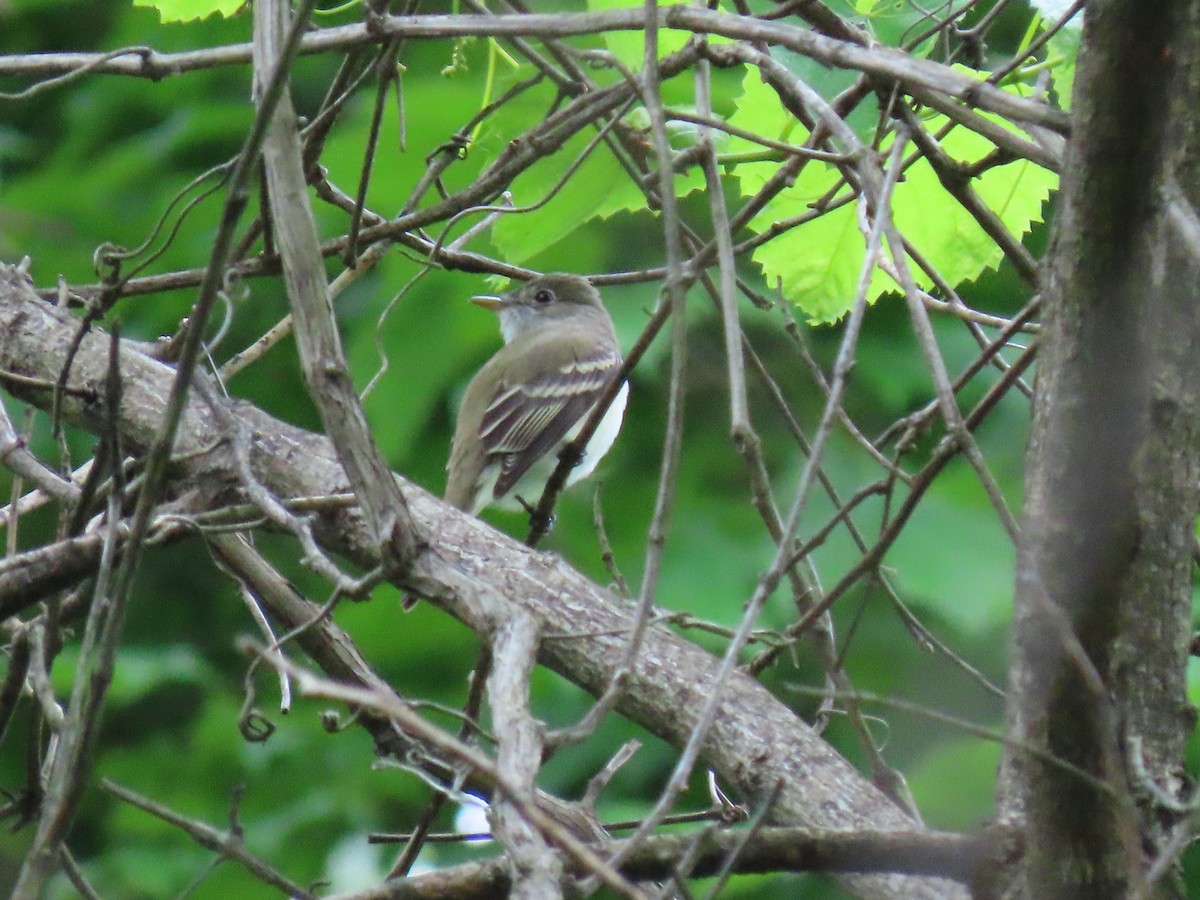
<point>100,159</point>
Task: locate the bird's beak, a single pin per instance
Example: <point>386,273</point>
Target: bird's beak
<point>488,301</point>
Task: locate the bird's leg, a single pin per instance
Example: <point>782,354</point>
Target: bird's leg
<point>537,522</point>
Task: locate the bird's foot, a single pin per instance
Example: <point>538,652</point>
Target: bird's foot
<point>538,524</point>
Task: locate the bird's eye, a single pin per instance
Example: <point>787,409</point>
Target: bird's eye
<point>543,296</point>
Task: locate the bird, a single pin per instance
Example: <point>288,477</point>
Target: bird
<point>532,397</point>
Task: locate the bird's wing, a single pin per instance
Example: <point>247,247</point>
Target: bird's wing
<point>525,421</point>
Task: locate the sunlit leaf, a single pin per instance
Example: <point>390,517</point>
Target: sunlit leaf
<point>598,188</point>
<point>1063,48</point>
<point>630,46</point>
<point>188,10</point>
<point>819,263</point>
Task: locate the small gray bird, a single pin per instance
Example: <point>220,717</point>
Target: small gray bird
<point>560,352</point>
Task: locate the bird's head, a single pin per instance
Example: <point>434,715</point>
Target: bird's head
<point>546,299</point>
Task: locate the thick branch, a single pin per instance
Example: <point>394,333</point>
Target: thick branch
<point>772,850</point>
<point>876,60</point>
<point>326,370</point>
<point>1104,585</point>
<point>756,743</point>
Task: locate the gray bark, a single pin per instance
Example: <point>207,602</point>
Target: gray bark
<point>1103,593</point>
<point>757,744</point>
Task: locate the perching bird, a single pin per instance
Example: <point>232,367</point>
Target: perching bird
<point>560,352</point>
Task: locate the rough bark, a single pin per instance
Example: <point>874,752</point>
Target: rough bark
<point>757,743</point>
<point>1103,592</point>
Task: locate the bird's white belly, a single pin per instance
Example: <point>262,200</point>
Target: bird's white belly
<point>532,483</point>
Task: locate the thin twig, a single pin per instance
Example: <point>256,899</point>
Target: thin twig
<point>388,705</point>
<point>227,844</point>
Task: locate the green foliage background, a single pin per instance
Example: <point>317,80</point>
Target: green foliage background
<point>99,160</point>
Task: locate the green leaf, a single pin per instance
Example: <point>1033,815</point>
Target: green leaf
<point>415,336</point>
<point>819,262</point>
<point>1063,48</point>
<point>187,10</point>
<point>893,23</point>
<point>760,112</point>
<point>630,46</point>
<point>599,188</point>
<point>946,233</point>
<point>1193,680</point>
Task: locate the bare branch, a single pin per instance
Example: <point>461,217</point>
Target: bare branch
<point>882,61</point>
<point>950,856</point>
<point>325,367</point>
<point>537,869</point>
<point>228,845</point>
<point>473,567</point>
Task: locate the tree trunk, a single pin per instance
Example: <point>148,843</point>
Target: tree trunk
<point>1103,592</point>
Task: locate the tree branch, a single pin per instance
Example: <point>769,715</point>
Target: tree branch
<point>773,849</point>
<point>755,743</point>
